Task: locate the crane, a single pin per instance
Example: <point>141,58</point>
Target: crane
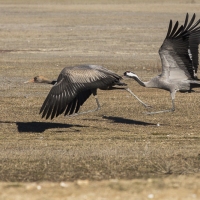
<point>74,86</point>
<point>179,57</point>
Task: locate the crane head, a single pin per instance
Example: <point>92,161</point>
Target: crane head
<point>130,74</point>
<point>37,79</point>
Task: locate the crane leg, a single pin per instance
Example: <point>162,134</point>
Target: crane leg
<point>89,111</point>
<point>145,105</point>
<point>164,111</point>
<point>98,104</point>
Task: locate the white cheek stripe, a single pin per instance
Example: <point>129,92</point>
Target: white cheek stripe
<point>130,74</point>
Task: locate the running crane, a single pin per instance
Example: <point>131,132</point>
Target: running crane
<point>179,57</point>
<point>74,86</point>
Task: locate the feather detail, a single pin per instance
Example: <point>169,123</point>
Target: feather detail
<point>73,88</point>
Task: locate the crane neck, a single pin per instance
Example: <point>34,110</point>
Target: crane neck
<point>53,82</point>
<point>48,81</point>
<point>139,81</point>
<point>152,83</point>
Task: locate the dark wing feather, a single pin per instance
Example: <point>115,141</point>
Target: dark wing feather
<point>169,28</point>
<point>186,21</point>
<point>178,32</point>
<point>74,86</point>
<point>68,108</point>
<point>194,41</point>
<point>179,51</point>
<point>191,22</point>
<point>174,29</point>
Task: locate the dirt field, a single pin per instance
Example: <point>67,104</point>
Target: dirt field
<point>118,152</point>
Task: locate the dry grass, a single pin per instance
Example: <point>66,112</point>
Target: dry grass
<point>117,142</point>
<point>75,2</point>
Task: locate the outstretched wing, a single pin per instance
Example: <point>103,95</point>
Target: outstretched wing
<point>179,51</point>
<point>194,41</point>
<point>74,86</point>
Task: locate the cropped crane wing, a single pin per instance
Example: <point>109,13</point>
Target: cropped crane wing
<point>179,51</point>
<point>74,86</point>
<point>194,41</point>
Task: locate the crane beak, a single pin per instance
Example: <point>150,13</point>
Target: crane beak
<point>30,81</point>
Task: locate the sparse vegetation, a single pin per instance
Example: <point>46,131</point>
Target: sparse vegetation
<point>119,148</point>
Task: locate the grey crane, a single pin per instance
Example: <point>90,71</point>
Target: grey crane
<point>74,86</point>
<point>179,57</point>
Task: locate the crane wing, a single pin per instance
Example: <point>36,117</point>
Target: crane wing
<point>194,42</point>
<point>74,86</point>
<point>179,51</point>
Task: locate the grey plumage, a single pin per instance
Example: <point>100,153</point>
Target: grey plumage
<point>75,85</point>
<point>179,57</point>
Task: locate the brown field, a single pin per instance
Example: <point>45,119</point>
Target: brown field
<point>118,152</point>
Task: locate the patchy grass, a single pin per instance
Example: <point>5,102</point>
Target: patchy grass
<point>118,142</point>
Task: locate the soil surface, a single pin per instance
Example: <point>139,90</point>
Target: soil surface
<point>118,152</point>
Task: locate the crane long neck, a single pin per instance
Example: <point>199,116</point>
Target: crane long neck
<point>152,83</point>
<point>53,82</point>
<point>48,81</point>
<point>144,84</point>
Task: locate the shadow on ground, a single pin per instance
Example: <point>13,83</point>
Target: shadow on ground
<point>127,121</point>
<point>39,127</point>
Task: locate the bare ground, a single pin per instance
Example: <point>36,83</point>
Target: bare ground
<point>120,152</point>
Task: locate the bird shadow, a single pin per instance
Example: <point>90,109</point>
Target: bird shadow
<point>127,121</point>
<point>39,127</point>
